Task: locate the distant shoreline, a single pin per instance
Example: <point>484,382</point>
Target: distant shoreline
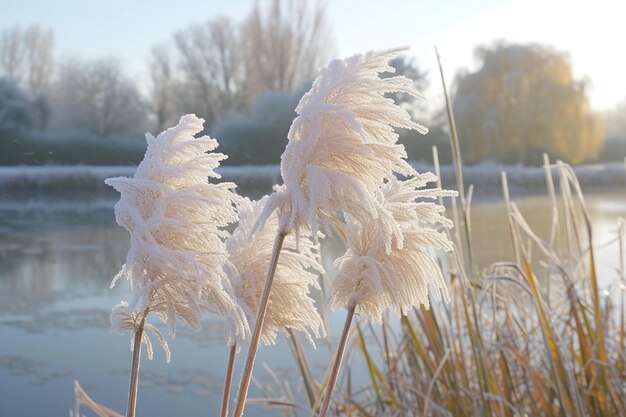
<point>485,175</point>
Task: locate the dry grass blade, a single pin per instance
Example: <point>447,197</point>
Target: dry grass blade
<point>271,402</point>
<point>375,376</point>
<point>305,370</point>
<point>420,351</point>
<point>458,164</point>
<point>556,362</point>
<point>433,381</point>
<point>228,381</point>
<point>81,398</point>
<point>477,349</point>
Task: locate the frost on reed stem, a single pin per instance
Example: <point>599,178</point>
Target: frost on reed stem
<point>175,218</point>
<point>289,306</point>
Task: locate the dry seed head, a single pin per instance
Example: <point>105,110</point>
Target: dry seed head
<point>176,221</point>
<point>290,305</point>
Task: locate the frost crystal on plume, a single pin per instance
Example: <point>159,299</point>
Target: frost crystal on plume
<point>176,218</point>
<point>376,280</point>
<point>289,304</point>
<point>342,146</point>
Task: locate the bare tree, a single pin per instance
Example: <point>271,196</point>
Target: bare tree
<point>96,96</point>
<point>162,97</point>
<point>220,67</point>
<point>26,57</point>
<point>211,74</point>
<point>285,45</point>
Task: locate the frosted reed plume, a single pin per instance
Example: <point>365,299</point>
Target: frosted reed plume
<point>342,149</point>
<point>289,307</point>
<point>175,218</point>
<point>376,281</point>
<point>289,304</point>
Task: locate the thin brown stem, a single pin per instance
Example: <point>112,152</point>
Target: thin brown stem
<point>228,380</point>
<point>134,371</point>
<point>258,325</point>
<point>334,373</point>
<point>305,369</point>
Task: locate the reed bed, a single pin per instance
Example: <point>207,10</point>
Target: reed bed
<point>532,335</point>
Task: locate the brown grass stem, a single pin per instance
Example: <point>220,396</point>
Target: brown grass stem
<point>228,380</point>
<point>134,371</point>
<point>258,325</point>
<point>334,373</point>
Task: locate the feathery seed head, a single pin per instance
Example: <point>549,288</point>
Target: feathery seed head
<point>342,146</point>
<point>289,304</point>
<point>376,279</point>
<point>175,218</point>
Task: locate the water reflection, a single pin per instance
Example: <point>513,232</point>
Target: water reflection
<point>57,258</point>
<point>492,239</point>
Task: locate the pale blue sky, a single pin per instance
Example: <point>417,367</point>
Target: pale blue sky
<point>592,31</point>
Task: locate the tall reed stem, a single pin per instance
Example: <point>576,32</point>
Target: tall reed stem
<point>458,164</point>
<point>334,373</point>
<point>134,371</point>
<point>228,380</point>
<point>258,325</point>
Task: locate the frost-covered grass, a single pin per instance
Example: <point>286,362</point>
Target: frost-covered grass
<point>533,334</point>
<point>518,338</point>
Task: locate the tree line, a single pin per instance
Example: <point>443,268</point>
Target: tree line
<point>213,69</point>
<point>245,79</point>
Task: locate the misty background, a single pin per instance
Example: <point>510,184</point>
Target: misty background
<point>245,76</point>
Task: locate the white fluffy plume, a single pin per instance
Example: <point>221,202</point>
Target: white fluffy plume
<point>342,146</point>
<point>289,304</point>
<point>376,280</point>
<point>176,218</point>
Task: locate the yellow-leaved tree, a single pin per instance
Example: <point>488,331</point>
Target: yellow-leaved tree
<point>522,102</point>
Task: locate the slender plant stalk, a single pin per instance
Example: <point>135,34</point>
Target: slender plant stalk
<point>134,372</point>
<point>512,229</point>
<point>437,173</point>
<point>82,398</point>
<point>555,217</point>
<point>458,163</point>
<point>228,380</point>
<point>260,318</point>
<point>305,369</point>
<point>334,373</point>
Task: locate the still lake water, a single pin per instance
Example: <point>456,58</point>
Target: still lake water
<point>58,254</point>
